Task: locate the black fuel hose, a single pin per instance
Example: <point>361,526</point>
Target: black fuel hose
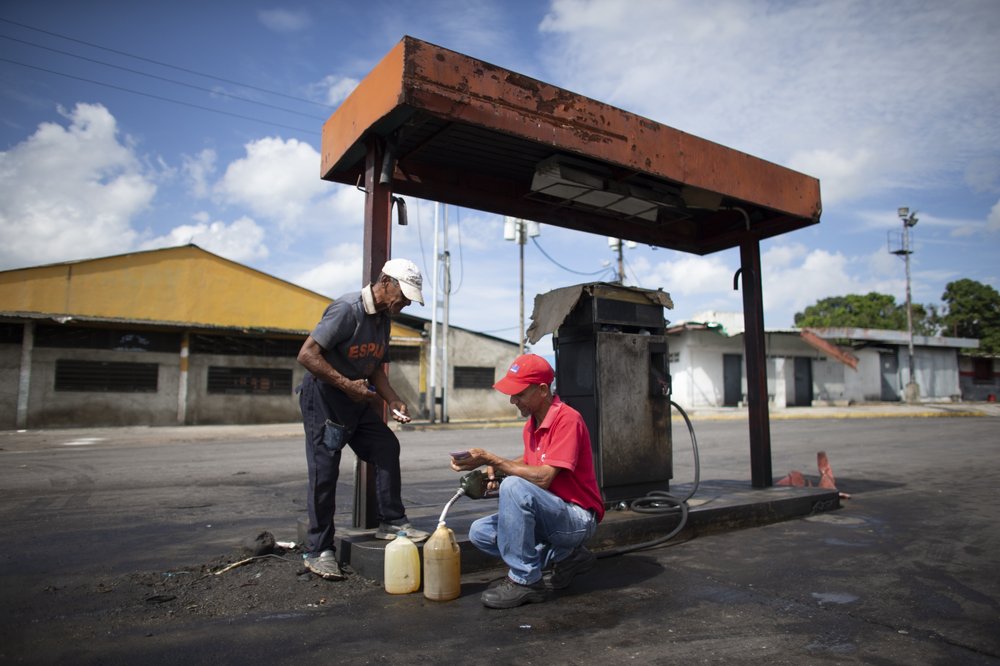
<point>660,501</point>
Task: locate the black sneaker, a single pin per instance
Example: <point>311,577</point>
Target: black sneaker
<point>580,561</point>
<point>510,594</point>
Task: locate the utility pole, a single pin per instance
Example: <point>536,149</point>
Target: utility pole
<point>912,391</point>
<point>517,230</point>
<point>618,246</point>
<point>432,371</point>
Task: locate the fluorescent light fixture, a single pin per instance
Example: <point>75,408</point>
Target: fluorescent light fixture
<point>580,183</point>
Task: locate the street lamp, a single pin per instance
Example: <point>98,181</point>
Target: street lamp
<point>518,230</point>
<point>909,219</point>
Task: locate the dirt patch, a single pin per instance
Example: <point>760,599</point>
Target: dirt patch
<point>270,584</point>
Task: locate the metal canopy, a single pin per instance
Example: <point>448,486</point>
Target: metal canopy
<point>442,126</point>
<point>461,131</point>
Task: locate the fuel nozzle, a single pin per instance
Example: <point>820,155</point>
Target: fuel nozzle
<point>475,484</point>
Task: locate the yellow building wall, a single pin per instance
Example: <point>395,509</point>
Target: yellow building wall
<point>182,285</point>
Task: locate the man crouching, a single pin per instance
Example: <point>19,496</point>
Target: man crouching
<point>549,504</point>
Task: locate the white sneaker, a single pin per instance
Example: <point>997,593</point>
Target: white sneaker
<point>388,532</point>
<point>324,565</point>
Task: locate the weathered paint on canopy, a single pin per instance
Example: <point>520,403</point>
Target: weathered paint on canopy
<point>465,132</point>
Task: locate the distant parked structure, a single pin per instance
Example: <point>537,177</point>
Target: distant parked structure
<point>183,336</point>
<point>832,366</point>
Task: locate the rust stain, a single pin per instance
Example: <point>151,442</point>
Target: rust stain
<point>523,82</point>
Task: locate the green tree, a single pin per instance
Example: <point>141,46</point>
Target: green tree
<point>972,310</point>
<point>872,310</point>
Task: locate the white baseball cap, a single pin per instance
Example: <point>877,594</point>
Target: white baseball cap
<point>409,277</point>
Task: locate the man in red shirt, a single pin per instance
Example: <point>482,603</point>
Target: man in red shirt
<point>550,502</point>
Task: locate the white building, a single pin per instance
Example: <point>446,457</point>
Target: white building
<point>834,366</point>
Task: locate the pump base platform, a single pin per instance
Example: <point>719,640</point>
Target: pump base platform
<point>717,506</point>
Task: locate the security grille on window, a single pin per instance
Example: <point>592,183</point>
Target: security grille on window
<point>252,381</point>
<point>11,333</point>
<point>404,354</point>
<point>81,337</point>
<point>473,378</point>
<point>982,369</point>
<point>236,345</point>
<point>106,376</point>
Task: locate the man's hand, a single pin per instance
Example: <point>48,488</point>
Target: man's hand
<point>359,390</point>
<point>398,410</point>
<point>476,458</point>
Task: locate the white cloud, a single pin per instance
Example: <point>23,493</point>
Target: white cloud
<point>198,169</point>
<point>815,84</point>
<point>690,275</point>
<point>983,174</point>
<point>338,274</point>
<point>795,277</point>
<point>241,241</point>
<point>841,176</point>
<point>283,20</point>
<point>277,179</point>
<point>334,89</point>
<point>70,192</point>
<point>993,219</point>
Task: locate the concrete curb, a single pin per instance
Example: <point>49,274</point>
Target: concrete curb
<point>718,506</point>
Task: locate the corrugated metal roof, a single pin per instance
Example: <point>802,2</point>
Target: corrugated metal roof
<point>893,337</point>
<point>180,287</point>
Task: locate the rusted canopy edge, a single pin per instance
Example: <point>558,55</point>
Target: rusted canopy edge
<point>418,76</point>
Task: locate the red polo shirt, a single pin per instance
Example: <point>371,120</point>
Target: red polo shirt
<point>562,440</point>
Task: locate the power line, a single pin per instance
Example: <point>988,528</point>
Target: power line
<point>164,64</point>
<point>545,254</point>
<point>159,97</point>
<point>163,78</point>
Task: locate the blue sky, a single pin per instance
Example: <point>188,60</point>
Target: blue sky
<point>206,129</point>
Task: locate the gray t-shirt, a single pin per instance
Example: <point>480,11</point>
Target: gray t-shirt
<point>354,343</point>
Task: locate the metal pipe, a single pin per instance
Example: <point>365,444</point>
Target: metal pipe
<point>756,359</point>
<point>432,392</point>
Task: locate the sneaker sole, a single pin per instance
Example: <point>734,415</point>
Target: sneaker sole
<point>326,575</point>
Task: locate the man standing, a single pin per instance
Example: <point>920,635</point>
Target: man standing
<point>342,401</point>
<point>549,504</point>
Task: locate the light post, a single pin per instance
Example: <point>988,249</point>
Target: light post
<point>617,245</point>
<point>909,219</point>
<point>517,230</point>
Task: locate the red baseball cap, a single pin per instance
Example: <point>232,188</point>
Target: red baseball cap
<point>527,369</point>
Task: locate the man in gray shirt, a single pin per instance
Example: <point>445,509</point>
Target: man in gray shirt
<point>342,400</point>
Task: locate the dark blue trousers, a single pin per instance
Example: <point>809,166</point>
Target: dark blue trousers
<point>372,441</point>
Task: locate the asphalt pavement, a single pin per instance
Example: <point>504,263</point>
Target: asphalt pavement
<point>903,572</point>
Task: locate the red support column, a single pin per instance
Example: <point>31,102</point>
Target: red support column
<point>378,235</point>
<point>756,359</point>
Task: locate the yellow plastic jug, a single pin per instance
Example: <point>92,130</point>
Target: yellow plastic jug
<point>401,572</point>
<point>442,565</point>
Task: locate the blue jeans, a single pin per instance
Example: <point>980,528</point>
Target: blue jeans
<point>372,441</point>
<point>531,529</point>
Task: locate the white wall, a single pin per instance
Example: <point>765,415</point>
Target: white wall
<point>469,349</point>
<point>697,375</point>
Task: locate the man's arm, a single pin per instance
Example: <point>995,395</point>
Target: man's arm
<point>540,475</point>
<point>311,358</point>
